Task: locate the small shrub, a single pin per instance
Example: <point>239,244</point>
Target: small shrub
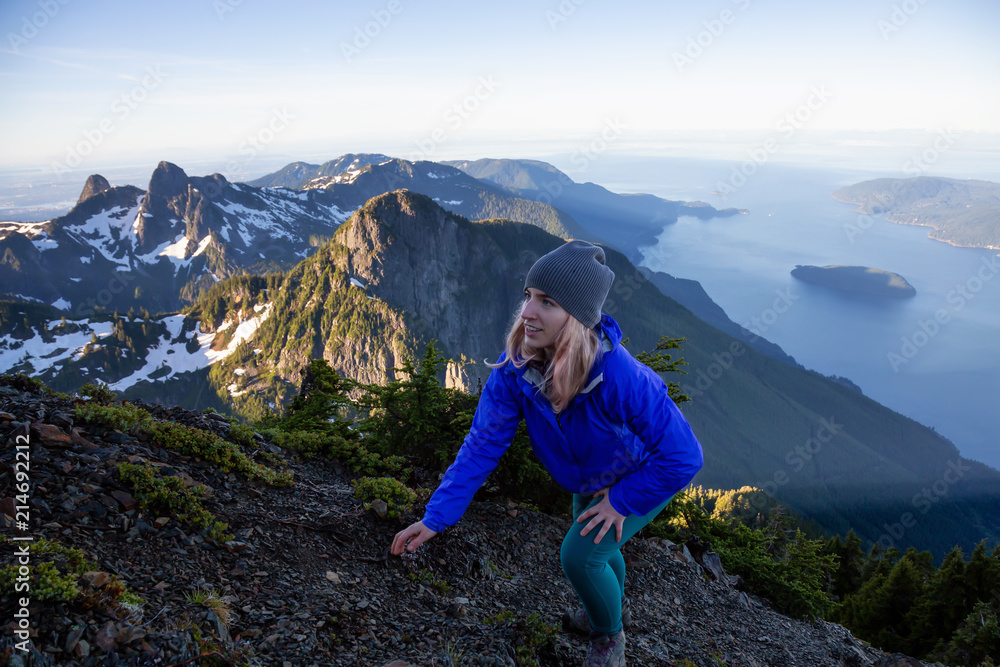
<point>351,453</point>
<point>396,495</point>
<point>55,571</point>
<point>242,433</point>
<point>100,393</point>
<point>121,416</point>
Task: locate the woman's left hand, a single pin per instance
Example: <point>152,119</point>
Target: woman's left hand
<point>602,512</point>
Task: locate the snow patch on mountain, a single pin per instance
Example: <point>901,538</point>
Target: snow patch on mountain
<point>105,231</point>
<point>33,230</point>
<point>63,348</point>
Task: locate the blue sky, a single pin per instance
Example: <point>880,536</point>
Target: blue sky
<point>240,81</point>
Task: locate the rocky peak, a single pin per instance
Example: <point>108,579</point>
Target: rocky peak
<point>95,184</point>
<point>445,271</point>
<point>168,180</point>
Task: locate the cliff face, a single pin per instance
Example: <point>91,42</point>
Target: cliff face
<point>419,258</point>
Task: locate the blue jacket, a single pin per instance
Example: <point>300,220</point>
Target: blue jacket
<point>622,430</point>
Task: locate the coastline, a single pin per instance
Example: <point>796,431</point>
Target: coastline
<point>889,217</point>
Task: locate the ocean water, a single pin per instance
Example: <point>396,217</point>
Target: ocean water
<point>935,357</point>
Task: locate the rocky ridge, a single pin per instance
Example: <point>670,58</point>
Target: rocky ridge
<point>308,579</point>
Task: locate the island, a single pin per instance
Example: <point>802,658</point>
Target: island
<point>960,212</point>
<point>857,280</point>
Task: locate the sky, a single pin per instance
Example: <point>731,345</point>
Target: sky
<point>247,83</point>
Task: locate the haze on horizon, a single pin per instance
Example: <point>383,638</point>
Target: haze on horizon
<point>242,82</point>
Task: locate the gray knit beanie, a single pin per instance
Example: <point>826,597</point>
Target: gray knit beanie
<point>575,275</point>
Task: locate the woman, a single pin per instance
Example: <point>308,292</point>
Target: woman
<point>602,423</point>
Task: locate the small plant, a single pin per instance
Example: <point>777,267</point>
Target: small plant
<point>211,599</point>
<point>242,433</point>
<point>100,393</point>
<point>428,576</point>
<point>719,659</point>
<point>396,495</point>
<point>56,574</point>
<point>497,570</point>
<point>170,494</point>
<point>505,616</point>
<point>351,453</point>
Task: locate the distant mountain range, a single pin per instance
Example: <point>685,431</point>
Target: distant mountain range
<point>402,271</point>
<point>961,212</point>
<point>122,248</point>
<point>631,220</point>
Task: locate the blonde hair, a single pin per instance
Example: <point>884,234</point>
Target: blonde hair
<point>576,348</point>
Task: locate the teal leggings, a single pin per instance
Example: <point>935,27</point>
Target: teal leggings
<point>597,571</point>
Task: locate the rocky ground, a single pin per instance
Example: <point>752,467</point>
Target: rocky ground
<point>308,579</point>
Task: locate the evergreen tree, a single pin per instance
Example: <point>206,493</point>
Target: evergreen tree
<point>944,605</point>
<point>323,403</point>
<point>982,574</point>
<point>416,416</point>
<point>977,639</point>
<point>848,579</point>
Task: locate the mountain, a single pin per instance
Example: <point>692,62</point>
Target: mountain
<point>961,212</point>
<point>293,176</point>
<point>357,178</point>
<point>159,248</point>
<point>123,247</point>
<point>525,191</point>
<point>630,220</point>
<point>402,271</point>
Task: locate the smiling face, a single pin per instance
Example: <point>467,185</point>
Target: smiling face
<point>543,319</point>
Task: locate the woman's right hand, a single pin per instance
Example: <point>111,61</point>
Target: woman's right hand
<point>416,534</point>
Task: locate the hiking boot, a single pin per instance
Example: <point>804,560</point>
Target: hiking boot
<point>606,650</point>
<point>578,621</point>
